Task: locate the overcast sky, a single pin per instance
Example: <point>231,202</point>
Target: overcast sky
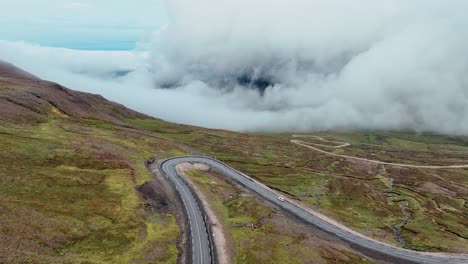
<point>81,24</point>
<point>327,64</point>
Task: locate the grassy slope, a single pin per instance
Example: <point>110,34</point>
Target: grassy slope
<point>354,192</point>
<point>67,194</point>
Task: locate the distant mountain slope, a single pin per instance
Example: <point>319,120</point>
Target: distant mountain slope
<point>25,98</point>
<point>11,71</point>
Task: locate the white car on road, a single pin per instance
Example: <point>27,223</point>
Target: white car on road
<point>281,199</point>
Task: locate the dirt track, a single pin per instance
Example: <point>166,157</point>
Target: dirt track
<point>344,144</point>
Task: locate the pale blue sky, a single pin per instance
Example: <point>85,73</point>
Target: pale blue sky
<point>80,24</point>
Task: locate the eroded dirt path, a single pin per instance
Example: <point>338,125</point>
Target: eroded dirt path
<point>344,144</point>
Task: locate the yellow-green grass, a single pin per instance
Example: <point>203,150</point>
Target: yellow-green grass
<point>67,195</point>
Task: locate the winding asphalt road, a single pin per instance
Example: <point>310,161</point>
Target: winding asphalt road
<point>198,236</point>
<point>201,246</point>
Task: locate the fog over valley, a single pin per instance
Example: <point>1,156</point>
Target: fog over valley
<point>297,65</point>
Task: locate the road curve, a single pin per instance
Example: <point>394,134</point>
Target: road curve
<point>201,248</point>
<point>200,243</point>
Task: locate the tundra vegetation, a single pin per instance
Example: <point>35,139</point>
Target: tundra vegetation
<point>72,165</point>
<point>416,208</point>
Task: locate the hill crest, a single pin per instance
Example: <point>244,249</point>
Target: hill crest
<point>24,98</point>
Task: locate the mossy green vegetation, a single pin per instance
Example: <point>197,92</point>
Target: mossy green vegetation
<point>357,193</point>
<point>67,195</point>
<point>67,190</point>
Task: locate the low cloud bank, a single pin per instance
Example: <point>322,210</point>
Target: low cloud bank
<point>285,65</point>
<point>324,64</point>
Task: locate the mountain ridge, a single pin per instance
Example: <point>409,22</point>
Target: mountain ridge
<point>24,98</point>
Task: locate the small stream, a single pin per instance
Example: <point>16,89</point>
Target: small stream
<point>396,227</point>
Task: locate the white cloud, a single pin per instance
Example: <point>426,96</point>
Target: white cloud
<point>378,64</point>
<point>389,64</point>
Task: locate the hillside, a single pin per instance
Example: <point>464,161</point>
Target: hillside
<point>8,70</point>
<point>69,169</point>
<point>74,187</point>
<point>25,98</point>
<point>73,184</point>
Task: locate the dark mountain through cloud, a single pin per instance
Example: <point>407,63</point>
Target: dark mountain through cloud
<point>323,64</point>
<point>284,65</point>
